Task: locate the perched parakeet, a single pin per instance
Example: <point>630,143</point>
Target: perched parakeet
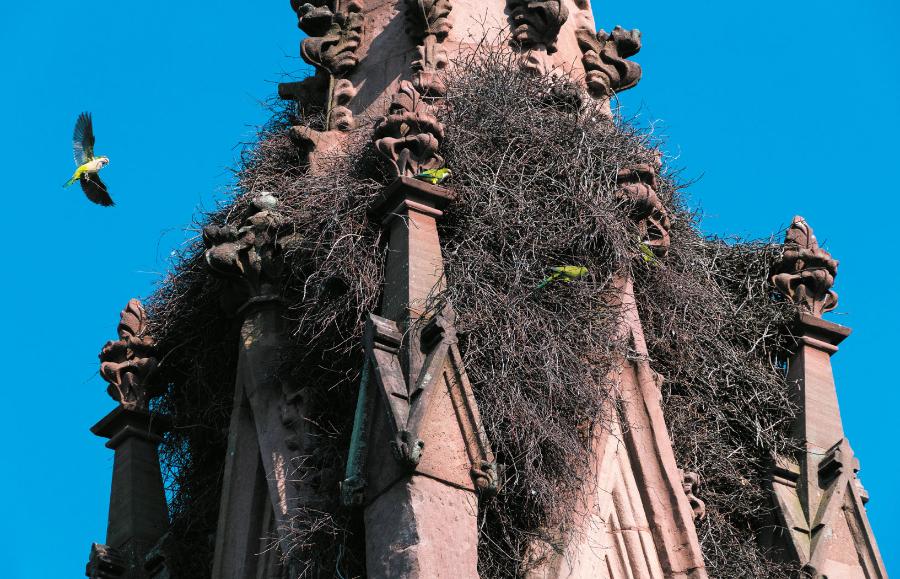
<point>435,176</point>
<point>564,273</point>
<point>88,171</point>
<point>648,255</point>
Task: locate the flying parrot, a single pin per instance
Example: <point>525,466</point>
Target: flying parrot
<point>434,176</point>
<point>88,171</point>
<point>564,273</point>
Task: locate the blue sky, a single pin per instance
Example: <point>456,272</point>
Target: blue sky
<point>779,107</point>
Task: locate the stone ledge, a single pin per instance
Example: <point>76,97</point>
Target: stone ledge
<point>821,334</point>
<point>123,423</point>
<point>408,193</point>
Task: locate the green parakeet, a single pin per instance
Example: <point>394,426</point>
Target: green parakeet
<point>564,273</point>
<point>648,255</point>
<point>88,171</point>
<point>435,176</point>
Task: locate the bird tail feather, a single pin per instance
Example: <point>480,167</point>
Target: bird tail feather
<point>70,182</point>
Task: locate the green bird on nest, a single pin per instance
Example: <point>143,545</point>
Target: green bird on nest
<point>434,176</point>
<point>563,273</point>
<point>647,254</point>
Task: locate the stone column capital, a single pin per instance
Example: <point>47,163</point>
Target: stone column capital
<point>123,423</point>
<point>821,334</point>
<point>409,194</point>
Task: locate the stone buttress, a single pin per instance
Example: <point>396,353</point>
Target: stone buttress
<point>821,515</point>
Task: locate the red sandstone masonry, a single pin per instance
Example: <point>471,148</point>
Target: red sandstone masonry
<point>821,502</point>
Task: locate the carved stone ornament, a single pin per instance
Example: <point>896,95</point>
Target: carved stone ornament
<point>429,26</point>
<point>536,23</point>
<point>607,71</point>
<point>409,397</point>
<point>105,563</point>
<point>334,35</point>
<point>128,363</point>
<point>805,272</point>
<point>637,187</point>
<point>250,254</point>
<point>691,482</point>
<point>429,18</point>
<point>838,501</point>
<point>410,135</point>
<point>340,117</point>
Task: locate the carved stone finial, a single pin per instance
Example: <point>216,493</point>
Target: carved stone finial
<point>690,481</point>
<point>604,57</point>
<point>637,187</point>
<point>410,135</point>
<point>105,563</point>
<point>128,363</point>
<point>536,23</point>
<point>805,273</point>
<point>251,254</point>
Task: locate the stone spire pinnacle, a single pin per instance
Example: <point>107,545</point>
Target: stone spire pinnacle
<point>822,521</point>
<point>128,363</point>
<point>806,272</point>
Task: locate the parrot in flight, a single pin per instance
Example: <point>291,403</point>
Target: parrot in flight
<point>434,176</point>
<point>564,273</point>
<point>88,171</point>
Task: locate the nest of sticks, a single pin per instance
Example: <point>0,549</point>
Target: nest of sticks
<point>534,163</point>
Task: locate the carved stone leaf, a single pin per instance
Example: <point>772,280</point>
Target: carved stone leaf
<point>313,16</point>
<point>605,60</point>
<point>537,22</point>
<point>690,483</point>
<point>336,49</point>
<point>805,273</point>
<point>429,26</point>
<point>341,117</point>
<point>128,363</point>
<point>410,135</point>
<point>429,17</point>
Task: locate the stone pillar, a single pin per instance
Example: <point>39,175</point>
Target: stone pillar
<point>268,430</point>
<point>636,515</point>
<point>661,484</point>
<point>821,503</point>
<point>138,516</point>
<point>427,454</point>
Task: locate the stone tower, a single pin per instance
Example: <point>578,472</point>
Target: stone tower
<point>420,458</point>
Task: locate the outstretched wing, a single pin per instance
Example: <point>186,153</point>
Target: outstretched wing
<point>95,189</point>
<point>83,139</point>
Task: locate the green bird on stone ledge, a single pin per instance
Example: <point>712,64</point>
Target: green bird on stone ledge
<point>435,176</point>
